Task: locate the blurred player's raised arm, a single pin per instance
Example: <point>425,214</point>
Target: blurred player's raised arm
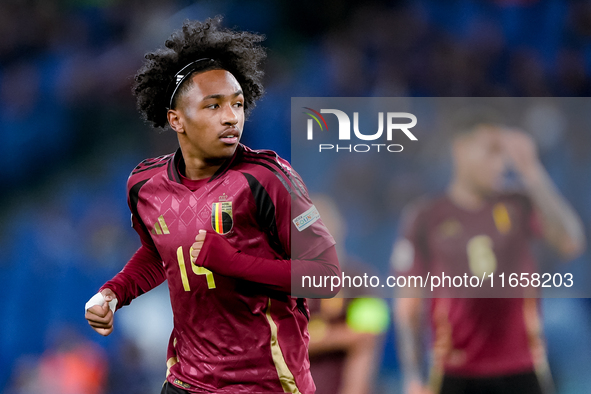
<point>561,226</point>
<point>408,258</point>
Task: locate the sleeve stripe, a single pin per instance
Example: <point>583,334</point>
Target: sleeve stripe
<point>148,164</point>
<point>295,182</point>
<point>267,157</point>
<point>148,168</point>
<point>285,184</point>
<point>265,211</point>
<point>133,201</point>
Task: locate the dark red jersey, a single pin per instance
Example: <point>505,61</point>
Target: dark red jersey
<point>230,335</point>
<point>475,336</point>
<point>327,367</point>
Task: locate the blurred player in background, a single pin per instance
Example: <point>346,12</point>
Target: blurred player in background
<point>481,345</point>
<point>214,219</point>
<point>345,333</point>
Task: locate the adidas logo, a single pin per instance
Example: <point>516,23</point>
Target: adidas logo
<point>179,78</point>
<point>160,226</point>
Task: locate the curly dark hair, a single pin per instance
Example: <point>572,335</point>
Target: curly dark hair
<point>237,52</point>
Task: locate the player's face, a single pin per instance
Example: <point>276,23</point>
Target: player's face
<point>480,159</point>
<point>211,114</point>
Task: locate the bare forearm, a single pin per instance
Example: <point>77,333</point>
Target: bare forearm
<point>360,366</point>
<point>338,337</point>
<point>563,229</point>
<point>408,313</point>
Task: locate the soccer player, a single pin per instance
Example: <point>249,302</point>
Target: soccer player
<point>481,345</point>
<point>215,220</point>
<point>345,348</point>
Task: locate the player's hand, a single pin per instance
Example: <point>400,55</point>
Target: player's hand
<point>100,317</point>
<point>198,245</point>
<point>520,149</point>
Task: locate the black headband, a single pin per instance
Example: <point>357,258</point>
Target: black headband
<point>183,74</point>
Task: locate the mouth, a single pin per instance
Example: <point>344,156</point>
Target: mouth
<point>230,136</point>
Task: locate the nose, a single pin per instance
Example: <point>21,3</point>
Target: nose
<point>229,116</point>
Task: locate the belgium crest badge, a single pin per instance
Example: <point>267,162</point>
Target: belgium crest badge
<point>221,217</point>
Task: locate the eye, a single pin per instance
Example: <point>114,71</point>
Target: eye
<point>212,106</point>
<point>239,104</point>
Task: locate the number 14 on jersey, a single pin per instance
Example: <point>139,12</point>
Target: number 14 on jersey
<point>196,270</point>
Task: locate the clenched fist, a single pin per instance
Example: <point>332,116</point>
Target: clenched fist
<point>197,245</point>
<point>100,317</point>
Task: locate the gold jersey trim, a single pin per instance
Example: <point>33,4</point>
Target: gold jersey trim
<point>169,363</point>
<point>285,376</point>
<point>502,218</point>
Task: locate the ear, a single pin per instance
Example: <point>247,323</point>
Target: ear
<point>175,120</point>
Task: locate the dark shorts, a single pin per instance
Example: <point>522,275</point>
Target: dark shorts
<point>168,388</point>
<point>523,383</point>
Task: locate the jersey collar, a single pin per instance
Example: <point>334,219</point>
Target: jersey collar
<point>176,161</point>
